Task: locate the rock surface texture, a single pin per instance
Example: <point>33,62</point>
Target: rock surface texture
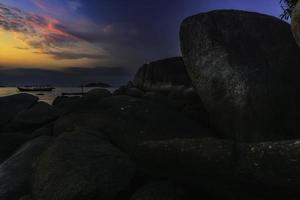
<point>80,165</point>
<point>12,105</point>
<point>296,23</point>
<point>162,75</point>
<point>247,76</point>
<point>16,172</point>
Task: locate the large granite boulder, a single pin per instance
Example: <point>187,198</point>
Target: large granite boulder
<point>202,163</point>
<point>97,94</point>
<point>225,169</point>
<point>16,172</point>
<point>65,104</point>
<point>10,142</point>
<point>245,67</point>
<point>129,120</point>
<point>81,165</point>
<point>272,164</point>
<point>162,75</point>
<point>163,190</point>
<point>12,105</point>
<point>26,197</point>
<point>36,116</point>
<point>295,22</point>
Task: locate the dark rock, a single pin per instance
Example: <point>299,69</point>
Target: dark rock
<point>134,92</point>
<point>103,85</point>
<point>16,172</point>
<point>82,165</point>
<point>67,105</point>
<point>26,197</point>
<point>191,95</point>
<point>177,93</point>
<point>156,97</point>
<point>46,130</point>
<point>121,91</point>
<point>12,105</point>
<point>295,22</point>
<point>130,84</point>
<point>197,112</point>
<point>247,76</point>
<point>202,163</point>
<point>161,191</point>
<point>128,120</point>
<point>38,115</point>
<point>97,94</point>
<point>225,169</point>
<point>274,165</point>
<point>162,75</point>
<point>62,101</point>
<point>10,142</point>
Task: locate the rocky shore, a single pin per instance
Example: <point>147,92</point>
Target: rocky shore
<point>220,123</point>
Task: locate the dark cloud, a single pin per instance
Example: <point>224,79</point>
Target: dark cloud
<point>13,19</point>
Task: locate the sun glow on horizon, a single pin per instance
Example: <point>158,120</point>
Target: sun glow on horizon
<point>15,53</point>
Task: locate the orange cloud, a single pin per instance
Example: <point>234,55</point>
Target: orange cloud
<point>43,34</point>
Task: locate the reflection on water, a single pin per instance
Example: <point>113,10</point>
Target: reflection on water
<point>46,96</point>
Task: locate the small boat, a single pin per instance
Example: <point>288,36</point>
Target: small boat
<point>36,89</point>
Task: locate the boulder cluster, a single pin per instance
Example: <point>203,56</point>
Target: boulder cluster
<point>221,123</point>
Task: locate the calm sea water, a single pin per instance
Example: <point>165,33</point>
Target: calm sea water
<point>46,96</point>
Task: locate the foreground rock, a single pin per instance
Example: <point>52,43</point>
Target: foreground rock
<point>161,191</point>
<point>99,84</point>
<point>38,115</point>
<point>80,165</point>
<point>202,163</point>
<point>67,105</point>
<point>296,23</point>
<point>247,76</point>
<point>129,120</point>
<point>12,105</point>
<point>162,75</point>
<point>16,172</point>
<point>223,169</point>
<point>26,197</point>
<point>10,142</point>
<point>97,94</point>
<point>272,164</point>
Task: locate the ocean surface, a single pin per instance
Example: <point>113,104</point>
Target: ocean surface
<point>46,96</point>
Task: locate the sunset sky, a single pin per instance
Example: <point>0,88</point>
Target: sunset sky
<point>42,36</point>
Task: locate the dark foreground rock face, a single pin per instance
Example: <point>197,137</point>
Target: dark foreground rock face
<point>26,197</point>
<point>160,191</point>
<point>39,114</point>
<point>12,105</point>
<point>67,105</point>
<point>80,165</point>
<point>202,163</point>
<point>246,75</point>
<point>162,75</point>
<point>128,121</point>
<point>225,169</point>
<point>16,172</point>
<point>295,23</point>
<point>10,142</point>
<point>272,164</point>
